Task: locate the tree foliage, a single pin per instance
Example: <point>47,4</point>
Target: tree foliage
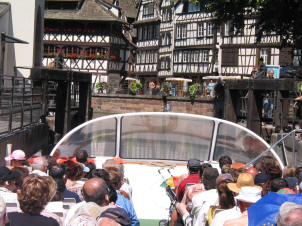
<point>280,17</point>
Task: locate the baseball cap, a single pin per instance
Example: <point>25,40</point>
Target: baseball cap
<point>16,155</point>
<point>194,163</point>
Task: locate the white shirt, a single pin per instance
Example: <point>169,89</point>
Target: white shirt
<point>72,212</point>
<point>201,205</point>
<point>225,215</point>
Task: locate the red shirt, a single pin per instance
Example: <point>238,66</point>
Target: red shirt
<point>192,178</point>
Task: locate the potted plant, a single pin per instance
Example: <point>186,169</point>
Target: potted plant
<point>194,90</point>
<point>100,86</point>
<point>135,87</point>
<point>166,88</point>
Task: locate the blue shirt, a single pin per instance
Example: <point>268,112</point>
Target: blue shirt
<point>70,194</point>
<point>128,207</point>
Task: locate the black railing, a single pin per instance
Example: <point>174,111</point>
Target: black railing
<point>20,102</point>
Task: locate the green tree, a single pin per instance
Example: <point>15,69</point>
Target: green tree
<point>281,17</point>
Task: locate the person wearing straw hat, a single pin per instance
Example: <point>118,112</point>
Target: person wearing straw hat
<point>247,196</point>
<point>17,159</point>
<point>244,179</point>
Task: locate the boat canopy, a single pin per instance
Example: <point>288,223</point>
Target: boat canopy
<point>163,136</point>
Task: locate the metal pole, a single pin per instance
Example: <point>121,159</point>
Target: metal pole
<point>271,147</point>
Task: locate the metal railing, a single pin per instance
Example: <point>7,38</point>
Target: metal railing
<point>20,102</point>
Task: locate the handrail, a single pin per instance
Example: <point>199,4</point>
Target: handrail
<point>271,147</point>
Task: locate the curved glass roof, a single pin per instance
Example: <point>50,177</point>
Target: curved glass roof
<point>163,136</point>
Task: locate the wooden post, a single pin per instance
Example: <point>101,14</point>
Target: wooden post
<point>253,115</point>
<point>229,110</point>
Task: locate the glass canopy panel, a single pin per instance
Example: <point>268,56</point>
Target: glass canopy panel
<point>241,145</point>
<point>165,137</point>
<point>98,138</point>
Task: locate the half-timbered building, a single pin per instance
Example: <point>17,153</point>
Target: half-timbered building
<point>240,51</point>
<point>195,51</point>
<point>166,39</point>
<point>147,26</point>
<point>88,36</point>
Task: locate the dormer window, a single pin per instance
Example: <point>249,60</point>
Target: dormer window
<point>148,9</point>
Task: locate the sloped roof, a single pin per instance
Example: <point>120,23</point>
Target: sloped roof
<point>128,6</point>
<point>90,11</point>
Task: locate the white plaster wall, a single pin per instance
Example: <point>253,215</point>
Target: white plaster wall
<point>21,25</point>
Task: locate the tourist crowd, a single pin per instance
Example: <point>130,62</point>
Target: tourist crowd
<point>216,197</point>
<point>49,191</point>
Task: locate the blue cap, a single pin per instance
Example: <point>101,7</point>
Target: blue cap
<point>261,178</point>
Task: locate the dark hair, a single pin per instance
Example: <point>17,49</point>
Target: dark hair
<point>98,196</point>
<point>34,195</point>
<point>59,196</point>
<point>226,197</point>
<point>56,171</point>
<point>101,173</point>
<point>73,171</point>
<point>202,167</point>
<point>22,172</point>
<point>223,160</point>
<point>278,183</point>
<point>194,170</point>
<point>50,161</point>
<point>91,167</point>
<point>267,162</point>
<point>81,156</point>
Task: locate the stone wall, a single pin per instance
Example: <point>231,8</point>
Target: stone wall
<point>106,104</point>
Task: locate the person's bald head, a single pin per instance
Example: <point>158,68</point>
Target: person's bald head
<point>108,222</point>
<point>96,190</point>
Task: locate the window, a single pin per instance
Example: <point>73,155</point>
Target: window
<point>185,56</point>
<point>181,31</point>
<point>139,33</point>
<point>148,9</point>
<point>143,57</point>
<point>138,57</point>
<point>227,29</point>
<point>200,30</point>
<point>145,32</point>
<point>150,31</point>
<point>176,57</point>
<point>155,31</point>
<point>209,29</point>
<point>151,55</point>
<point>164,63</point>
<point>264,55</point>
<point>196,56</point>
<point>205,56</point>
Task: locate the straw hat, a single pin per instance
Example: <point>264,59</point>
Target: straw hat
<point>244,179</point>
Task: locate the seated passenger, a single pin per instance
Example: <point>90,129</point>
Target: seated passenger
<point>247,197</point>
<point>73,173</point>
<point>2,212</point>
<point>226,209</point>
<point>126,189</point>
<point>193,177</point>
<point>33,197</point>
<point>39,166</point>
<point>202,201</point>
<point>57,172</point>
<point>17,158</point>
<point>116,180</point>
<point>289,214</point>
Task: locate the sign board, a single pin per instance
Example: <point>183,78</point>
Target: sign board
<point>275,69</point>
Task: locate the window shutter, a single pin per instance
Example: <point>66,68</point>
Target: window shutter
<point>168,60</point>
<point>222,31</point>
<point>269,54</point>
<point>285,57</point>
